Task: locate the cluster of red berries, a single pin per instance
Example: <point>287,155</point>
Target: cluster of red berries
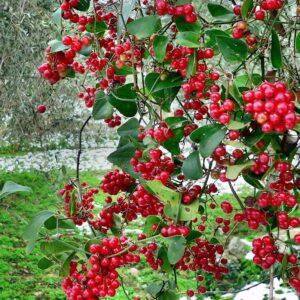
<point>266,199</point>
<point>241,30</point>
<point>191,194</point>
<point>159,167</point>
<point>105,220</point>
<point>89,96</point>
<point>272,107</point>
<point>284,221</point>
<point>204,256</point>
<point>186,10</point>
<point>78,209</point>
<point>150,253</point>
<point>101,279</point>
<point>57,64</point>
<point>265,252</point>
<point>172,230</point>
<point>295,283</point>
<point>254,217</point>
<point>220,112</point>
<point>145,203</point>
<point>261,164</point>
<point>113,121</point>
<point>116,181</point>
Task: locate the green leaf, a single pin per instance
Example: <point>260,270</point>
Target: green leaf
<point>160,46</point>
<point>150,221</point>
<point>70,72</point>
<point>65,269</point>
<point>188,39</point>
<point>235,144</point>
<point>83,5</point>
<point>130,128</point>
<point>163,91</point>
<point>276,54</point>
<point>209,137</point>
<point>124,100</point>
<point>123,18</point>
<point>56,16</point>
<point>182,2</point>
<point>53,247</point>
<point>126,70</point>
<point>254,137</point>
<point>32,230</point>
<point>57,46</point>
<point>253,181</point>
<point>121,157</point>
<point>165,194</point>
<point>234,171</point>
<point>235,125</point>
<point>220,13</point>
<point>211,42</point>
<point>176,248</point>
<point>102,109</point>
<point>246,8</point>
<point>96,27</point>
<point>246,80</point>
<point>194,234</point>
<point>86,51</point>
<point>172,145</point>
<point>168,295</point>
<point>176,122</point>
<point>44,263</point>
<point>163,254</point>
<point>154,288</point>
<point>191,67</point>
<point>188,212</point>
<point>54,221</point>
<point>144,27</point>
<point>191,167</point>
<point>182,25</point>
<point>232,50</point>
<point>11,187</point>
<point>298,42</point>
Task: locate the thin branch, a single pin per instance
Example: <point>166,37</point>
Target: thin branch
<point>236,195</point>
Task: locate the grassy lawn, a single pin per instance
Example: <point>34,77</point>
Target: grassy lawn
<point>22,279</point>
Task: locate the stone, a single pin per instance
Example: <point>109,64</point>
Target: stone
<point>237,248</point>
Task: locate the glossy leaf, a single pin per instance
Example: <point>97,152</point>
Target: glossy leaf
<point>160,46</point>
<point>131,128</point>
<point>45,263</point>
<point>11,187</point>
<point>232,50</point>
<point>211,41</point>
<point>236,125</point>
<point>246,8</point>
<point>234,171</point>
<point>188,39</point>
<point>253,181</point>
<point>126,12</point>
<point>163,91</point>
<point>176,248</point>
<point>192,64</point>
<point>121,157</point>
<point>55,247</point>
<point>83,5</point>
<point>102,109</point>
<point>298,42</point>
<point>124,100</point>
<point>34,227</point>
<point>191,166</point>
<point>220,13</point>
<point>276,54</point>
<point>150,221</point>
<point>246,80</point>
<point>57,16</point>
<point>182,25</point>
<point>144,27</point>
<point>209,137</point>
<point>57,45</point>
<point>96,27</point>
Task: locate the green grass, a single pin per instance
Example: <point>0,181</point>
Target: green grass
<point>22,279</point>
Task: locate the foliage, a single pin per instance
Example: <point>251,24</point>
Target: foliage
<point>210,96</point>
